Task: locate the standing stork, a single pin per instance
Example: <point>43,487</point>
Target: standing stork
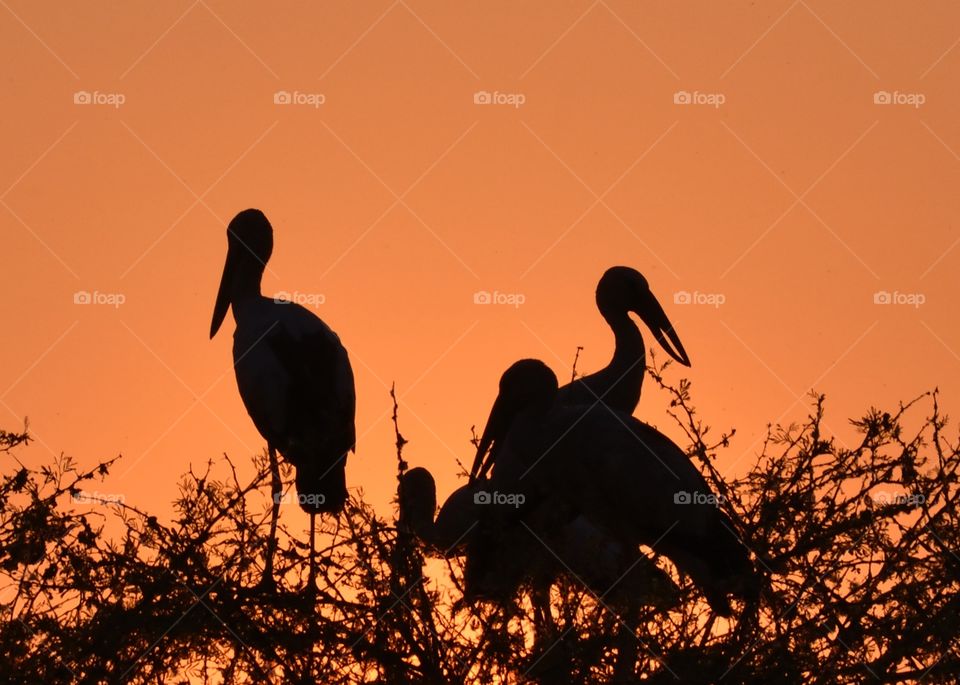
<point>620,473</point>
<point>621,290</point>
<point>294,378</point>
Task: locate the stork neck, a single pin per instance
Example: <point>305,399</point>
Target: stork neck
<point>628,343</point>
<point>422,526</point>
<point>246,282</point>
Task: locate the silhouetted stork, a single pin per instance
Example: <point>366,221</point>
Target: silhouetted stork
<point>535,554</point>
<point>294,378</point>
<point>621,474</point>
<point>621,290</point>
<point>576,546</point>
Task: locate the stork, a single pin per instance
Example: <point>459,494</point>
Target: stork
<point>537,554</point>
<point>294,377</point>
<point>620,473</point>
<point>621,290</point>
<point>577,546</point>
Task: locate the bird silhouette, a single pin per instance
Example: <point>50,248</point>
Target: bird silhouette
<point>294,377</point>
<point>576,547</point>
<point>623,475</point>
<point>620,291</point>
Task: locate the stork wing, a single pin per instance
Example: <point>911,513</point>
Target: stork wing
<point>322,398</point>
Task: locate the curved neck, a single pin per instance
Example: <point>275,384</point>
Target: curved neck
<point>628,343</point>
<point>246,282</point>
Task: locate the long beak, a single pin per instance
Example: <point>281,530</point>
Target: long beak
<point>493,431</point>
<point>223,294</point>
<point>649,309</point>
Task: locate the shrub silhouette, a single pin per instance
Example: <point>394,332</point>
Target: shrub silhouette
<point>858,548</point>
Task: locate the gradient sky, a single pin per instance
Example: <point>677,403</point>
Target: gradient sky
<point>793,202</point>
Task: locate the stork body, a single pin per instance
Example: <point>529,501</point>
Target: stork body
<point>621,290</point>
<point>295,380</point>
<point>619,473</point>
<point>537,553</point>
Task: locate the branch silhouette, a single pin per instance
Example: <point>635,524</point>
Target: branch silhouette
<point>857,548</point>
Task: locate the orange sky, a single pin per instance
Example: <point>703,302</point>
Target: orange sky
<point>396,199</point>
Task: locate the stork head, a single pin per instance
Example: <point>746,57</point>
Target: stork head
<point>456,520</point>
<point>528,385</point>
<point>417,500</point>
<point>622,290</point>
<point>249,245</point>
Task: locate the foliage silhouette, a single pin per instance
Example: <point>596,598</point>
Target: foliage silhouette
<point>857,546</point>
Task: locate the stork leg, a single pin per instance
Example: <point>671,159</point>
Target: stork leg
<point>276,489</point>
<point>624,670</point>
<point>551,665</point>
<point>312,575</point>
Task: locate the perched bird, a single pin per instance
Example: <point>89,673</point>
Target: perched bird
<point>621,290</point>
<point>578,548</point>
<point>293,374</point>
<point>622,475</point>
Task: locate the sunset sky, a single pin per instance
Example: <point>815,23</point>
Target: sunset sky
<point>792,166</point>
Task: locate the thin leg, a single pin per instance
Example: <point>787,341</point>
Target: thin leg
<point>627,652</point>
<point>552,661</point>
<point>312,577</point>
<point>276,488</point>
